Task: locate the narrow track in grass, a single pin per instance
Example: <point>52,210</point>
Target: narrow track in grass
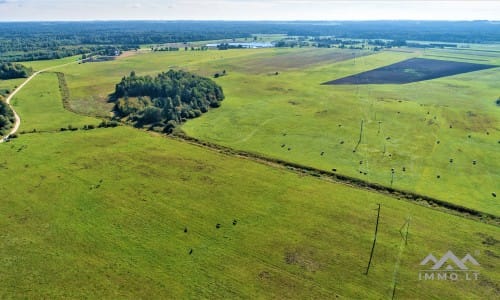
<point>422,200</point>
<point>17,122</point>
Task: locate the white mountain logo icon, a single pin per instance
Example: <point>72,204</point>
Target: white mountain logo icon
<point>451,261</point>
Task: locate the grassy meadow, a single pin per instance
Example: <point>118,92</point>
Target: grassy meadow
<point>415,129</point>
<point>121,213</point>
<point>102,214</point>
<point>41,109</point>
<point>429,132</point>
<point>10,84</point>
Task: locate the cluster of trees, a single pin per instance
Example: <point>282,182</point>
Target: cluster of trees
<point>226,46</point>
<point>290,43</point>
<point>431,45</point>
<point>103,124</point>
<point>166,49</point>
<point>11,71</point>
<point>6,118</point>
<point>34,52</point>
<point>329,42</point>
<point>166,100</point>
<point>186,48</point>
<point>39,54</point>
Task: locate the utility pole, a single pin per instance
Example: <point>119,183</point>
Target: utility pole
<point>374,241</point>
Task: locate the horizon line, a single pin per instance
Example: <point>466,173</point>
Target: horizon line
<point>250,20</point>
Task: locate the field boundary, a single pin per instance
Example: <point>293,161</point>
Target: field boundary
<point>63,88</point>
<point>422,200</point>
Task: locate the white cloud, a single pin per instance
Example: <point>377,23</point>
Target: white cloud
<point>135,5</point>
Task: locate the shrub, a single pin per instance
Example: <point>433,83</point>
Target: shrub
<point>106,124</point>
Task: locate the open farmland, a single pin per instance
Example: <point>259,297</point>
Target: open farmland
<point>290,59</point>
<point>41,107</point>
<point>84,219</point>
<point>423,136</point>
<point>124,213</point>
<point>429,132</point>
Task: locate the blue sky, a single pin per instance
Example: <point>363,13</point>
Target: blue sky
<point>16,10</point>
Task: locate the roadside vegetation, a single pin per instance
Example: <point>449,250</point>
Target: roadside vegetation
<point>6,118</point>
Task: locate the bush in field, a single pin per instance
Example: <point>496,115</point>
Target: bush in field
<point>88,127</point>
<point>106,124</point>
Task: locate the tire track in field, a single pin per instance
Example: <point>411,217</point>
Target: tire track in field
<point>253,132</point>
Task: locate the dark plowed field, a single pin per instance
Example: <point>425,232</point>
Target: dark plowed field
<point>411,70</point>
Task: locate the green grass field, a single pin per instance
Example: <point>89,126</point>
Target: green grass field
<point>405,127</point>
<point>40,106</point>
<point>418,127</point>
<point>43,64</point>
<point>10,84</point>
<point>102,213</point>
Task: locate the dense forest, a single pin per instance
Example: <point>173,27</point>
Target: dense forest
<point>22,41</point>
<point>6,118</point>
<point>11,71</point>
<point>166,100</point>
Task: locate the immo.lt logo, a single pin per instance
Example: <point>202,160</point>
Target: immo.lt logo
<point>449,267</point>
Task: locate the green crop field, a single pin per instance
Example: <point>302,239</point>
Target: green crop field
<point>40,106</point>
<point>10,84</point>
<point>102,213</point>
<point>125,213</point>
<point>429,132</point>
<point>415,129</point>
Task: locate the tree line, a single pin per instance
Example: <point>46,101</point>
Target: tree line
<point>11,71</point>
<point>6,118</point>
<point>21,41</point>
<point>166,100</point>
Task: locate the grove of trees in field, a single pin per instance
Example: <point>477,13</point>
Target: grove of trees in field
<point>165,100</point>
<point>11,71</point>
